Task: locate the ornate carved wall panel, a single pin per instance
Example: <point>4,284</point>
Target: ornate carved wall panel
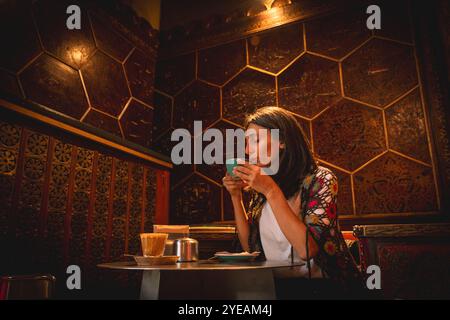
<point>406,126</point>
<point>379,72</point>
<point>199,101</point>
<point>274,50</point>
<point>77,73</point>
<point>349,134</point>
<point>196,199</point>
<point>50,82</point>
<point>336,35</point>
<point>309,85</point>
<point>356,93</point>
<point>245,93</point>
<point>218,64</point>
<point>394,184</point>
<point>64,203</point>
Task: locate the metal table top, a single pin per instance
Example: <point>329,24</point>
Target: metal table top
<point>209,265</point>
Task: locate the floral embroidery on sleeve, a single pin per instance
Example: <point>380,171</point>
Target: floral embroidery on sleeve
<point>319,212</point>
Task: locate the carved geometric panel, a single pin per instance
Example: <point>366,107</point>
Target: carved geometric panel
<point>175,73</point>
<point>248,91</point>
<point>199,101</point>
<point>35,161</point>
<point>140,74</point>
<point>80,205</point>
<point>100,214</point>
<point>379,72</point>
<point>273,50</point>
<point>349,134</point>
<point>162,114</point>
<point>105,83</point>
<point>394,184</point>
<point>71,46</point>
<point>309,85</point>
<point>137,123</point>
<point>103,121</point>
<point>406,127</point>
<point>149,201</point>
<point>119,209</point>
<point>217,171</point>
<point>338,34</point>
<point>109,40</point>
<point>396,20</point>
<point>196,200</point>
<point>20,41</point>
<point>51,83</point>
<point>136,209</point>
<point>57,201</point>
<point>218,64</point>
<point>9,150</point>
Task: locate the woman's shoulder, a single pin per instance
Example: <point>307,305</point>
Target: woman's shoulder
<point>321,174</point>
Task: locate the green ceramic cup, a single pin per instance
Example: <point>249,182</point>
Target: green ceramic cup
<point>230,164</point>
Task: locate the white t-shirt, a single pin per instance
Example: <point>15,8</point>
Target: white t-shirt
<point>275,244</point>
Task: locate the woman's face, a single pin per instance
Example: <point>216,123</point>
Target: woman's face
<point>259,141</point>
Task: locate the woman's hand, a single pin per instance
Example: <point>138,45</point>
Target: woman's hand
<point>234,186</point>
<point>252,176</point>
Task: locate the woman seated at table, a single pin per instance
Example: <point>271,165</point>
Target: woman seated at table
<point>292,214</point>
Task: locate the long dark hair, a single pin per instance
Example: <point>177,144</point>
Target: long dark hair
<point>296,158</point>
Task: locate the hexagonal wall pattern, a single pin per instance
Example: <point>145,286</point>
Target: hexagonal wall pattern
<point>175,73</point>
<point>196,200</point>
<point>103,121</point>
<point>248,91</point>
<point>199,101</point>
<point>140,72</point>
<point>394,184</point>
<point>71,46</point>
<point>309,85</point>
<point>137,123</point>
<point>349,134</point>
<point>108,40</point>
<point>105,83</point>
<point>338,34</point>
<point>406,127</point>
<point>218,64</point>
<point>273,50</point>
<point>20,42</point>
<point>217,171</point>
<point>379,72</point>
<point>55,85</point>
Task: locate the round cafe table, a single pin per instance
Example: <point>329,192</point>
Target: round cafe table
<point>206,279</point>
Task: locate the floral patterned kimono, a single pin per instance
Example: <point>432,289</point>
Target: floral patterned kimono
<point>318,207</point>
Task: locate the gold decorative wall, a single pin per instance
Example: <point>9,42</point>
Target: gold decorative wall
<point>101,74</point>
<point>358,95</point>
